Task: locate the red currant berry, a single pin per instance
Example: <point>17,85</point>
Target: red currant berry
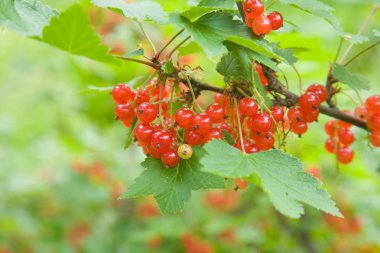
<point>222,100</point>
<point>127,122</point>
<point>276,20</point>
<point>265,142</point>
<point>373,104</point>
<point>330,145</point>
<point>299,127</point>
<point>216,112</point>
<point>248,21</point>
<point>143,132</point>
<point>146,112</point>
<point>170,158</point>
<point>153,152</point>
<point>309,102</point>
<point>374,122</point>
<point>261,25</point>
<point>318,90</point>
<point>184,117</point>
<point>253,8</point>
<point>213,134</point>
<point>330,127</point>
<point>261,122</point>
<point>295,114</point>
<point>202,123</point>
<point>277,113</point>
<point>193,138</point>
<point>248,107</point>
<point>142,96</point>
<point>122,94</point>
<point>346,136</point>
<point>185,151</point>
<point>124,112</point>
<point>361,112</point>
<point>310,116</point>
<point>345,155</point>
<point>260,72</point>
<point>374,138</point>
<point>161,141</point>
<point>226,127</point>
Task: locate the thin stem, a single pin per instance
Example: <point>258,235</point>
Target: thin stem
<point>299,78</point>
<point>241,9</point>
<point>160,102</point>
<point>150,64</point>
<point>147,37</point>
<point>359,97</point>
<point>360,32</point>
<point>168,43</point>
<point>271,4</point>
<point>178,46</point>
<point>192,93</point>
<point>239,126</point>
<point>361,52</point>
<point>339,49</point>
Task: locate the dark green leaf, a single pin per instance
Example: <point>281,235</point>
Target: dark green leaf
<point>354,81</point>
<point>228,138</point>
<point>231,67</point>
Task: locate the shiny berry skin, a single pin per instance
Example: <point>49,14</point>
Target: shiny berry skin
<point>344,124</point>
<point>143,132</point>
<point>374,122</point>
<point>299,127</point>
<point>161,141</point>
<point>330,145</point>
<point>252,149</point>
<point>213,134</point>
<point>248,107</point>
<point>153,152</point>
<point>345,155</point>
<point>374,138</point>
<point>330,127</point>
<point>170,158</point>
<point>262,123</point>
<point>248,21</point>
<point>265,142</point>
<point>295,114</point>
<point>124,112</point>
<point>216,112</point>
<point>277,113</point>
<point>253,8</point>
<point>185,151</point>
<point>184,117</point>
<point>318,90</point>
<point>146,112</point>
<point>225,126</point>
<point>193,138</point>
<point>346,136</point>
<point>241,183</point>
<point>309,102</point>
<point>122,94</point>
<point>202,123</point>
<point>361,112</point>
<point>142,96</point>
<point>373,104</point>
<point>276,20</point>
<point>222,100</point>
<point>260,72</point>
<point>310,116</point>
<point>261,25</point>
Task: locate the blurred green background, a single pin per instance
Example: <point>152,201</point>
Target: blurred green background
<point>63,163</point>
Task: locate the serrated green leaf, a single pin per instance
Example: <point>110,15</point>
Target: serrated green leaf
<point>172,187</point>
<point>168,67</point>
<point>137,52</point>
<point>130,133</point>
<point>140,11</point>
<point>354,81</point>
<point>281,176</point>
<point>231,67</point>
<point>25,17</point>
<point>71,31</point>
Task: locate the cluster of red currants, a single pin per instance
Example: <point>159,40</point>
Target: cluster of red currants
<point>261,24</point>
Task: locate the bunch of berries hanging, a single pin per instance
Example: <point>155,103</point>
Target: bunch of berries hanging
<point>261,24</point>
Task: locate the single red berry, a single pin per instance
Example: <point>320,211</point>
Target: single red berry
<point>261,122</point>
<point>122,94</point>
<point>241,183</point>
<point>277,113</point>
<point>222,100</point>
<point>346,136</point>
<point>185,151</point>
<point>330,145</point>
<point>248,21</point>
<point>276,20</point>
<point>318,90</point>
<point>143,132</point>
<point>295,114</point>
<point>265,142</point>
<point>193,138</point>
<point>261,25</point>
<point>184,117</point>
<point>146,112</point>
<point>248,107</point>
<point>260,72</point>
<point>345,155</point>
<point>127,122</point>
<point>374,122</point>
<point>153,152</point>
<point>373,104</point>
<point>310,116</point>
<point>161,141</point>
<point>374,138</point>
<point>253,8</point>
<point>309,102</point>
<point>330,127</point>
<point>142,96</point>
<point>202,123</point>
<point>213,134</point>
<point>170,158</point>
<point>216,112</point>
<point>299,127</point>
<point>361,112</point>
<point>124,112</point>
<point>344,124</point>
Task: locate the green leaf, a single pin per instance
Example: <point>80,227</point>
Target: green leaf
<point>281,175</point>
<point>222,4</point>
<point>210,30</point>
<point>189,48</point>
<point>140,11</point>
<point>72,32</point>
<point>354,81</point>
<point>25,17</point>
<point>196,12</point>
<point>137,52</point>
<point>130,133</point>
<point>262,91</point>
<point>231,67</point>
<point>172,187</point>
<point>228,138</point>
<point>168,67</point>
